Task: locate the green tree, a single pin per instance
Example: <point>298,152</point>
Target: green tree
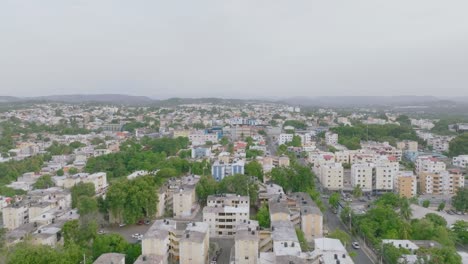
<point>405,209</point>
<point>206,186</point>
<point>391,254</point>
<point>441,206</point>
<point>357,192</point>
<point>87,205</point>
<point>460,228</point>
<point>459,145</point>
<point>60,172</point>
<point>460,200</point>
<point>334,200</point>
<point>73,171</point>
<point>109,243</point>
<point>254,168</point>
<point>81,189</point>
<point>436,219</point>
<point>302,240</point>
<point>263,216</point>
<point>344,237</point>
<point>44,182</point>
<point>224,141</point>
<point>426,203</point>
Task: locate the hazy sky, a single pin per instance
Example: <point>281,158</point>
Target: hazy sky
<point>234,48</point>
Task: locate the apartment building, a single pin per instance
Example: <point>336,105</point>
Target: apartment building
<point>149,259</point>
<point>406,184</point>
<point>195,244</point>
<point>408,145</point>
<point>331,175</point>
<point>342,157</point>
<point>382,148</point>
<point>40,206</point>
<point>114,258</point>
<point>356,157</point>
<point>99,180</point>
<point>223,213</point>
<point>429,164</point>
<point>176,241</point>
<point>443,182</point>
<point>220,169</point>
<point>440,143</point>
<point>201,137</point>
<point>311,218</point>
<point>201,152</point>
<point>460,161</point>
<point>180,196</point>
<point>246,244</point>
<point>362,175</point>
<point>285,138</point>
<point>384,175</point>
<point>331,138</point>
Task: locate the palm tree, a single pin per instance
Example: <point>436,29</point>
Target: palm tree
<point>405,209</point>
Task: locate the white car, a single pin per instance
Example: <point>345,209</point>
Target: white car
<point>140,237</point>
<point>101,232</point>
<point>136,235</point>
<point>355,245</point>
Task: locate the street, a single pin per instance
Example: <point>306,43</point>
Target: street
<point>332,222</point>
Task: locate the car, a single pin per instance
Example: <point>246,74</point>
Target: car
<point>140,237</point>
<point>147,222</point>
<point>101,232</point>
<point>449,212</point>
<point>122,225</point>
<point>141,222</point>
<point>355,245</point>
<point>136,235</point>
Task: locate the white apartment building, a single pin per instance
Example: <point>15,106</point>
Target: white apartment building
<point>331,175</point>
<point>172,240</point>
<point>429,164</point>
<point>385,174</point>
<point>99,180</point>
<point>285,138</point>
<point>361,175</point>
<point>331,138</point>
<point>444,182</point>
<point>342,156</point>
<point>409,145</point>
<point>460,161</point>
<point>246,247</point>
<point>200,138</point>
<point>225,212</point>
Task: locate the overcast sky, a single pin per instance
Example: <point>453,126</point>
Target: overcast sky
<point>234,48</point>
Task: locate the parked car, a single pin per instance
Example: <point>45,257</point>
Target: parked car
<point>141,222</point>
<point>122,225</point>
<point>136,235</point>
<point>355,245</point>
<point>101,232</point>
<point>147,222</point>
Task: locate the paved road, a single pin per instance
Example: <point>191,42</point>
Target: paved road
<point>332,222</point>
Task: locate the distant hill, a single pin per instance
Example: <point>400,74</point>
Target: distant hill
<point>9,99</point>
<point>99,98</point>
<point>347,101</point>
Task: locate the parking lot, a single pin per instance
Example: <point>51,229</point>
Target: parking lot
<point>128,230</point>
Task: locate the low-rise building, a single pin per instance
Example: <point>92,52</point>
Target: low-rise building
<point>331,138</point>
<point>99,180</point>
<point>221,169</point>
<point>331,175</point>
<point>409,145</point>
<point>225,212</point>
<point>246,247</point>
<point>444,182</point>
<point>406,184</point>
<point>460,161</point>
<point>110,258</point>
<point>361,175</point>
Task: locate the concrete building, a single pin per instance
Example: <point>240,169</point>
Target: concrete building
<point>429,164</point>
<point>331,251</point>
<point>15,215</point>
<point>195,244</point>
<point>149,259</point>
<point>184,203</point>
<point>99,180</point>
<point>460,161</point>
<point>384,175</point>
<point>225,212</point>
<point>331,175</point>
<point>180,196</point>
<point>444,182</point>
<point>362,175</point>
<point>110,258</point>
<point>409,145</point>
<point>176,241</point>
<point>285,138</point>
<point>406,184</point>
<point>220,169</point>
<point>246,247</point>
<point>311,218</point>
<point>201,152</point>
<point>331,138</point>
